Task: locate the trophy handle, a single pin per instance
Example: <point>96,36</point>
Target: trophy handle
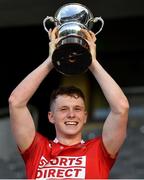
<point>96,19</point>
<point>51,21</point>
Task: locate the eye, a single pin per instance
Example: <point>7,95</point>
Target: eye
<point>63,109</point>
<point>78,108</point>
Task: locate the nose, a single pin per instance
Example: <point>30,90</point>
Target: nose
<point>71,113</point>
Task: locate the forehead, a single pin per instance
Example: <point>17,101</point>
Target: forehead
<point>62,100</point>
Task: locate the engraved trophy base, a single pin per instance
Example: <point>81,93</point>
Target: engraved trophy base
<point>71,55</point>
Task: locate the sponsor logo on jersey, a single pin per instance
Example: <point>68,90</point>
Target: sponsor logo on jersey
<point>68,167</point>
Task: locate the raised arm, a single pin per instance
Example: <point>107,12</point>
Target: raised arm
<point>22,123</point>
<point>115,126</point>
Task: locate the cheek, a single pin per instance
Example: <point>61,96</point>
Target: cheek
<point>59,118</point>
<point>85,118</point>
<point>60,115</point>
<point>82,117</point>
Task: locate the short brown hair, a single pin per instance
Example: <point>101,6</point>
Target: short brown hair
<point>66,90</point>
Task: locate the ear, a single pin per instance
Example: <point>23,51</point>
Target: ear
<point>50,117</point>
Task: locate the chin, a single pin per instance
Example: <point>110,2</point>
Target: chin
<point>72,133</point>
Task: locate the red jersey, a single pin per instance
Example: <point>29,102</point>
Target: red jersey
<point>46,159</point>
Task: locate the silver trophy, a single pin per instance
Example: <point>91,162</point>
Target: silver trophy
<point>72,55</point>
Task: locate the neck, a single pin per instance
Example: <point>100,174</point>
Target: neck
<point>69,141</point>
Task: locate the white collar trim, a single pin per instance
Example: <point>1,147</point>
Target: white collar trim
<point>56,141</point>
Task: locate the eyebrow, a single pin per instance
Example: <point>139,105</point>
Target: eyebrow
<point>65,106</point>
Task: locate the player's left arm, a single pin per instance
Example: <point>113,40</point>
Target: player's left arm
<point>115,126</point>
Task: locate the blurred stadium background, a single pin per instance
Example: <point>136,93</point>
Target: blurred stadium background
<point>24,45</point>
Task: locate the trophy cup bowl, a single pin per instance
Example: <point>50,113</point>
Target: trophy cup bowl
<point>72,54</point>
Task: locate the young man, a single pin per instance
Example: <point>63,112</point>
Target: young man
<point>68,156</point>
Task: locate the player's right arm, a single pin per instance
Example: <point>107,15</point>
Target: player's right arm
<point>22,123</point>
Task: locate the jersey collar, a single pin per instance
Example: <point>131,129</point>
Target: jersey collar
<point>57,141</point>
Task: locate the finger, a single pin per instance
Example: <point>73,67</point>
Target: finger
<point>93,36</point>
<point>87,34</point>
<point>57,40</point>
<point>54,42</point>
<point>49,33</point>
<point>54,33</point>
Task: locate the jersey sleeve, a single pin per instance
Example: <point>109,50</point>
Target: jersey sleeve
<point>105,155</point>
<point>37,144</point>
<point>33,154</point>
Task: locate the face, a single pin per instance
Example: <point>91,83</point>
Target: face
<point>68,115</point>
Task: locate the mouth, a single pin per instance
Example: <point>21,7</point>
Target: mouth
<point>71,123</point>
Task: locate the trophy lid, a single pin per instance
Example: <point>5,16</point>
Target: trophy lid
<point>73,12</point>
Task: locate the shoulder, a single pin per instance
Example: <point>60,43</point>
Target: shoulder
<point>97,146</point>
<point>94,141</point>
<point>39,142</point>
<point>94,145</point>
<point>39,137</point>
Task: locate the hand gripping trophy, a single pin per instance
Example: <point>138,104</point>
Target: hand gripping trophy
<point>72,55</point>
